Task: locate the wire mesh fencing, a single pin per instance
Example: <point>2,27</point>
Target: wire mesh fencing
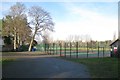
<point>76,50</point>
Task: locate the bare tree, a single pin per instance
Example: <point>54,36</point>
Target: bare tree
<point>41,21</point>
<point>87,38</point>
<point>114,36</point>
<point>70,38</point>
<point>16,11</point>
<point>77,38</point>
<point>46,37</point>
<point>14,21</point>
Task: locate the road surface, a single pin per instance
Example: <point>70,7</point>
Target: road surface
<point>44,67</point>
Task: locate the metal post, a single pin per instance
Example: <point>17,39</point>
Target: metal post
<point>87,49</point>
<point>65,49</point>
<point>53,47</point>
<point>56,48</point>
<point>98,49</point>
<point>60,49</point>
<point>45,47</point>
<point>70,49</point>
<point>103,52</point>
<point>76,49</point>
<point>91,46</point>
<point>50,49</point>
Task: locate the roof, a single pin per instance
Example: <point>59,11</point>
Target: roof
<point>114,42</point>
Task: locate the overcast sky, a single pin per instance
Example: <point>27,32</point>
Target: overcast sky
<point>97,19</point>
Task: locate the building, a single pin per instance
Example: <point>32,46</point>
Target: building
<point>115,48</point>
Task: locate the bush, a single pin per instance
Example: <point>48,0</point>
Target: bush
<point>23,48</point>
<point>7,40</point>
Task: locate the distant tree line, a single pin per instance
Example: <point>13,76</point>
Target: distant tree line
<point>82,44</point>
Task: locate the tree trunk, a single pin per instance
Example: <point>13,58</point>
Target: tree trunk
<point>30,46</point>
<point>18,40</point>
<point>15,41</point>
<point>21,42</point>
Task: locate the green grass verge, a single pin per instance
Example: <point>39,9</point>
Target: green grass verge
<point>100,67</point>
<point>6,61</point>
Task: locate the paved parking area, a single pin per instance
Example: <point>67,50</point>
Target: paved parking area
<point>44,66</point>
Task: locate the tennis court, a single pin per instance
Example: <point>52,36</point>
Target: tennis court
<point>74,51</point>
<point>73,54</point>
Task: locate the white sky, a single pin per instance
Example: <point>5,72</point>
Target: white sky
<point>100,20</point>
<point>97,25</point>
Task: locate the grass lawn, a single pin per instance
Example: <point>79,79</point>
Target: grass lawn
<point>100,67</point>
<point>6,61</point>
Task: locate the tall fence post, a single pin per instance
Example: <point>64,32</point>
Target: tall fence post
<point>76,49</point>
<point>65,48</point>
<point>60,48</point>
<point>91,46</point>
<point>70,49</point>
<point>103,52</point>
<point>87,49</point>
<point>56,48</point>
<point>98,49</point>
<point>53,47</point>
<point>45,47</point>
<point>50,49</point>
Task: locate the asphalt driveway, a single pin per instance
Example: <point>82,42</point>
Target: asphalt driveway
<point>44,67</point>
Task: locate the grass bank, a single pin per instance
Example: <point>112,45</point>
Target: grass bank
<point>6,61</point>
<point>100,67</point>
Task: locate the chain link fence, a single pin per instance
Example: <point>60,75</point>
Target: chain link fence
<point>74,50</point>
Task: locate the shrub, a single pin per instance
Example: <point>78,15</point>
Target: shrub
<point>23,48</point>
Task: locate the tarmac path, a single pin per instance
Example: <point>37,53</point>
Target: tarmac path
<point>44,66</point>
